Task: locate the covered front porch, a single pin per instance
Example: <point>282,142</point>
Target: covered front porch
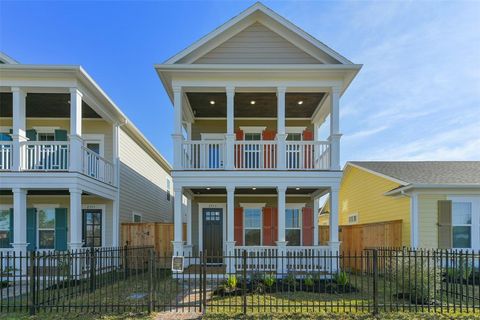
<point>274,227</point>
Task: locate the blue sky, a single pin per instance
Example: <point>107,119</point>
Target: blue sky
<point>416,98</point>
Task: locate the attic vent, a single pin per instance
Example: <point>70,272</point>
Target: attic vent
<point>353,218</point>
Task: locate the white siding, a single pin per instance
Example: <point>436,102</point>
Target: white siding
<point>257,44</point>
<point>143,183</point>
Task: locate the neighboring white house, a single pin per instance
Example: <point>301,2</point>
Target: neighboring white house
<point>72,166</point>
<point>249,101</point>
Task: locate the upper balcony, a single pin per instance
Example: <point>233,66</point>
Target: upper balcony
<point>36,135</point>
<point>256,129</point>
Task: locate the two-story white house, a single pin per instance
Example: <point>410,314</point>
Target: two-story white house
<point>250,102</point>
<point>72,166</point>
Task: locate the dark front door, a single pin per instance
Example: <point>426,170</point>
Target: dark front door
<point>213,234</point>
<point>92,227</point>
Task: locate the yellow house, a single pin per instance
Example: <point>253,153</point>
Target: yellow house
<point>436,202</point>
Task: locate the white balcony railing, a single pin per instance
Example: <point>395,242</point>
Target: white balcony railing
<point>6,155</point>
<point>203,155</point>
<point>97,167</point>
<point>307,155</point>
<point>255,155</point>
<point>252,155</point>
<point>43,155</point>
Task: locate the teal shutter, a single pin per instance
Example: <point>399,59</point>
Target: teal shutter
<point>61,229</point>
<point>32,229</point>
<point>10,233</point>
<point>60,135</point>
<point>5,137</point>
<point>31,134</point>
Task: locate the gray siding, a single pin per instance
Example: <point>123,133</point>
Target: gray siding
<point>143,184</point>
<point>257,44</point>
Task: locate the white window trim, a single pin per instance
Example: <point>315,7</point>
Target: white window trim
<point>134,213</point>
<point>37,232</point>
<point>295,130</point>
<point>202,206</point>
<point>475,225</point>
<point>104,213</point>
<point>252,205</point>
<point>261,223</point>
<point>45,129</point>
<point>298,206</point>
<point>250,129</point>
<point>95,138</point>
<point>5,129</point>
<point>353,214</point>
<point>212,136</point>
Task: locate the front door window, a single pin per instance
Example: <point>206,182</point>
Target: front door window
<point>92,227</point>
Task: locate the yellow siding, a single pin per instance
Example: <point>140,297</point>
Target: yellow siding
<point>427,219</point>
<point>363,193</point>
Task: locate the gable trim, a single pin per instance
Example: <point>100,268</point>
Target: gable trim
<point>273,15</point>
<point>404,183</point>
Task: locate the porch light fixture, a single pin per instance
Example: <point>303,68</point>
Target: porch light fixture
<point>254,188</point>
<point>208,188</point>
<point>300,102</point>
<point>297,189</point>
<point>252,102</point>
<point>212,102</point>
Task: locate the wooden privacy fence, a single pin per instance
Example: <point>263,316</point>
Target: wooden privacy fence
<point>155,234</point>
<point>358,237</point>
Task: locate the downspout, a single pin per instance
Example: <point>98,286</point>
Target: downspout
<point>413,218</point>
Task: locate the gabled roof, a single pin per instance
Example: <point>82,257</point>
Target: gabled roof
<point>264,15</point>
<point>425,174</point>
<point>5,59</point>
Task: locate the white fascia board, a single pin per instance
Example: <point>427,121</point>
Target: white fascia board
<point>419,187</point>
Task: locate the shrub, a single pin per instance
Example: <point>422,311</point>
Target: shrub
<point>309,282</point>
<point>232,282</point>
<point>290,280</point>
<point>269,281</point>
<point>416,278</point>
<point>341,278</point>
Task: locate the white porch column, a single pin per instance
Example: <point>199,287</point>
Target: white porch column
<point>281,136</point>
<point>230,245</point>
<point>19,128</point>
<point>177,135</point>
<point>281,243</point>
<point>75,219</point>
<point>76,141</point>
<point>230,137</point>
<point>177,221</point>
<point>316,207</point>
<point>20,220</point>
<point>335,129</point>
<point>281,214</point>
<point>334,243</point>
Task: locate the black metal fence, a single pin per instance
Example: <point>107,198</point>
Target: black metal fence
<point>138,279</point>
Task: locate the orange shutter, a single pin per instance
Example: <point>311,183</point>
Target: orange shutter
<point>307,226</point>
<point>239,134</point>
<point>238,226</point>
<point>308,152</point>
<point>267,226</point>
<point>275,224</point>
<point>269,151</point>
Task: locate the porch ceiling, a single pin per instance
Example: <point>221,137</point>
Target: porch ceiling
<point>265,104</point>
<point>44,105</point>
<point>250,191</point>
